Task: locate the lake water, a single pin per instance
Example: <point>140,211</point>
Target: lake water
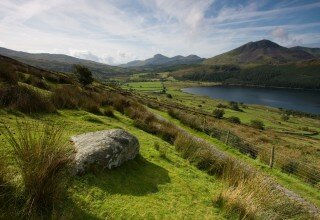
<point>301,100</point>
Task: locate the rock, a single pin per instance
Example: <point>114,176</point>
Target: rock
<point>105,149</point>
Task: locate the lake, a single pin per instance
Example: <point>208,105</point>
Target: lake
<point>295,99</point>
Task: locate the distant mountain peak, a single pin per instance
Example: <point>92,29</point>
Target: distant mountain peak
<point>157,56</point>
<point>260,52</point>
<point>261,44</point>
<point>193,56</point>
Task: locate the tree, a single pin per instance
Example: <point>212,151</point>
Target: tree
<point>83,73</point>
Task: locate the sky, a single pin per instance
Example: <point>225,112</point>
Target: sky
<point>118,31</point>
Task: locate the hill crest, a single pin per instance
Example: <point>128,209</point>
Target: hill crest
<point>260,52</point>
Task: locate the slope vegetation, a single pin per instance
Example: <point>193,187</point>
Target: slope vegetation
<point>177,175</point>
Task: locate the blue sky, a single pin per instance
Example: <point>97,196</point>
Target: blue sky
<point>118,31</point>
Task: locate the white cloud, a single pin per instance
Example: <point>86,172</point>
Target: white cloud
<point>117,31</point>
<point>280,33</point>
<point>283,36</point>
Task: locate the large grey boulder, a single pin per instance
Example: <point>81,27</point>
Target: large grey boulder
<point>105,149</point>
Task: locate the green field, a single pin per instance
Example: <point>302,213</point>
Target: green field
<point>147,187</point>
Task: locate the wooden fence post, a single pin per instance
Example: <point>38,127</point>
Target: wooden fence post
<point>227,138</point>
<point>272,157</point>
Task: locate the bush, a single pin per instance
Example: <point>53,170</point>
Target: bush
<point>72,97</point>
<point>42,159</point>
<point>234,106</point>
<point>40,83</point>
<point>258,124</point>
<point>234,120</point>
<point>218,113</point>
<point>290,167</point>
<point>24,99</point>
<point>83,73</point>
<point>7,74</point>
<point>66,97</point>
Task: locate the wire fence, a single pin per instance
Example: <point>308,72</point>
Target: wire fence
<point>270,156</point>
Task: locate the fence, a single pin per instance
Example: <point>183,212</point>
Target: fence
<point>269,156</point>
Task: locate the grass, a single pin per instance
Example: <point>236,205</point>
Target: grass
<point>159,183</point>
<point>250,199</point>
<point>286,136</point>
<point>24,99</point>
<point>42,159</point>
<point>300,187</point>
<point>149,187</point>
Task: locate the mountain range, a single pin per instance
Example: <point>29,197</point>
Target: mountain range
<point>161,60</point>
<point>263,52</point>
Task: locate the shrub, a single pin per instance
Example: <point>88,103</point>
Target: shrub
<point>290,167</point>
<point>258,124</point>
<point>24,99</point>
<point>83,73</point>
<point>72,97</point>
<point>40,83</point>
<point>8,75</point>
<point>234,106</point>
<point>90,105</point>
<point>42,159</point>
<point>66,97</point>
<point>218,113</point>
<point>234,120</point>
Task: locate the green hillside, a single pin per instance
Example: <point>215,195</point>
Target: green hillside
<point>181,173</point>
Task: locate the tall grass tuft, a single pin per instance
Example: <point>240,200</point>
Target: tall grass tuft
<point>42,159</point>
<point>256,198</point>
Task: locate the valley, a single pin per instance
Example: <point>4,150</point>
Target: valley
<point>190,147</point>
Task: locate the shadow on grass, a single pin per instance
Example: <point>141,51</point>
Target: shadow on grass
<point>137,177</point>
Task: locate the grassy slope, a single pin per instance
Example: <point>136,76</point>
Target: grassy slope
<point>301,147</point>
<point>150,186</point>
<point>298,186</point>
<point>309,147</point>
